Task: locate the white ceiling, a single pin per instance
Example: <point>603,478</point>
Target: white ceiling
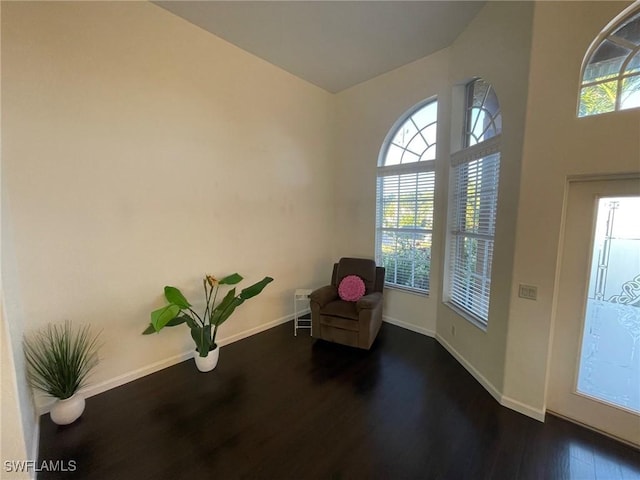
<point>332,44</point>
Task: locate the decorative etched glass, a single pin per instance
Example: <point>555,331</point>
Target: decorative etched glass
<point>610,357</point>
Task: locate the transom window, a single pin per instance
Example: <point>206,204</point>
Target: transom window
<point>611,74</point>
<point>404,200</point>
<point>482,116</point>
<point>473,205</point>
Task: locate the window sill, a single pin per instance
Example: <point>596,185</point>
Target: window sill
<point>467,316</point>
<point>412,291</point>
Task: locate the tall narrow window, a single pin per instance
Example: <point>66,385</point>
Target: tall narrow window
<point>473,203</point>
<point>611,72</point>
<point>404,200</point>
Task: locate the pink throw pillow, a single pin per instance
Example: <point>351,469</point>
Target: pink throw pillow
<point>351,288</point>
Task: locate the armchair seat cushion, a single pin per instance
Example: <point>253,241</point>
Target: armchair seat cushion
<point>340,323</point>
<point>341,309</point>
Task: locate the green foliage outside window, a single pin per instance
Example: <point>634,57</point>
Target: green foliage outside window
<point>405,265</point>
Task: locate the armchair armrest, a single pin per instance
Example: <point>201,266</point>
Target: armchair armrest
<point>369,302</point>
<point>324,295</point>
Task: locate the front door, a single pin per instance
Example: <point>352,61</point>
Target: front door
<point>595,358</point>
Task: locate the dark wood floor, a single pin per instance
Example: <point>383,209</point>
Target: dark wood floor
<point>285,407</point>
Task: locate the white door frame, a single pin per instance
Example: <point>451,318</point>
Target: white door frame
<point>570,182</point>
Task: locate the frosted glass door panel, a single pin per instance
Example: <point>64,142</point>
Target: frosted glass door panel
<point>610,361</point>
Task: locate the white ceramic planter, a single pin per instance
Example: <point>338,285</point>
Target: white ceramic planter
<point>68,410</point>
<point>208,363</point>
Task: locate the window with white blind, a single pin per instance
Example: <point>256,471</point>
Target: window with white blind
<point>404,200</point>
<point>473,204</point>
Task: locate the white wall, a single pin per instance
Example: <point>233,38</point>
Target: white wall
<point>139,151</point>
<point>557,145</point>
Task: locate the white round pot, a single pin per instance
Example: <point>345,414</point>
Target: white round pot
<point>68,410</point>
<point>208,363</point>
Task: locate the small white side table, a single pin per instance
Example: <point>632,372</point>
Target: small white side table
<point>300,295</point>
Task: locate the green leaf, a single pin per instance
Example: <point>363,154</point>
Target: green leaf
<point>255,289</point>
<point>149,330</point>
<point>178,321</point>
<point>60,357</point>
<point>226,301</point>
<point>231,279</point>
<point>202,337</point>
<point>230,302</point>
<point>173,295</point>
<point>190,321</point>
<point>196,334</point>
<point>162,316</point>
<point>226,313</point>
<point>206,341</point>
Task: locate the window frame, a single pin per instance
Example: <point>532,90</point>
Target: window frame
<point>457,234</point>
<point>606,34</point>
<point>417,168</point>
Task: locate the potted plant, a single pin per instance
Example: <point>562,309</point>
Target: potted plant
<point>59,360</point>
<point>203,327</point>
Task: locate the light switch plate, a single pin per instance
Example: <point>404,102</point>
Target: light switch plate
<point>530,292</point>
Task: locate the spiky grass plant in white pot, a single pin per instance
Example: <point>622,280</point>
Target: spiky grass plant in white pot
<point>59,360</point>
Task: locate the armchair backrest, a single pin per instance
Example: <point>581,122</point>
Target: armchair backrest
<point>366,269</point>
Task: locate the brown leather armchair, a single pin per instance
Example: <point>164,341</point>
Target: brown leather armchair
<point>350,323</point>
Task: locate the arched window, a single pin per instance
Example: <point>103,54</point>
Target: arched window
<point>404,200</point>
<point>611,70</point>
<point>473,204</point>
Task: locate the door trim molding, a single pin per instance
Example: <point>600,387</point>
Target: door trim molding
<point>570,182</point>
<point>599,178</point>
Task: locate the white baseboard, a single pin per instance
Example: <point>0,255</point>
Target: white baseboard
<point>101,387</point>
<point>409,326</point>
<point>535,413</point>
<point>510,403</point>
<point>529,411</point>
<point>258,329</point>
<point>488,386</point>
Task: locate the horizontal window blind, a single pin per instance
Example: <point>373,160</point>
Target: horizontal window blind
<point>471,275</point>
<point>404,198</point>
<point>475,196</point>
<point>404,225</point>
<point>406,258</point>
<point>473,209</point>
